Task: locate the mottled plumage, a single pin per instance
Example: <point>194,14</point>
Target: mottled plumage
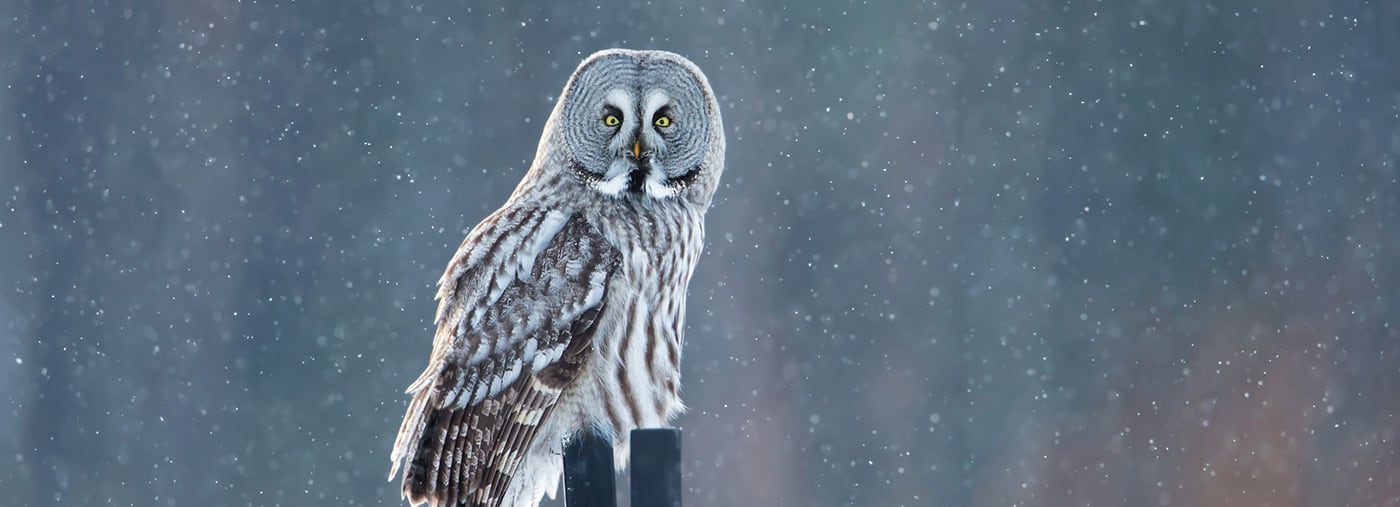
<point>563,311</point>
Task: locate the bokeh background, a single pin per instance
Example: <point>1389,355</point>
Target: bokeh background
<point>966,253</point>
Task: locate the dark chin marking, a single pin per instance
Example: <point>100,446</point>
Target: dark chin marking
<point>638,176</point>
<point>636,179</point>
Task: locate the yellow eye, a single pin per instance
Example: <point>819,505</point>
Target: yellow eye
<point>612,120</point>
<point>663,121</point>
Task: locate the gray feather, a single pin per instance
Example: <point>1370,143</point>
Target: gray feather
<point>563,311</point>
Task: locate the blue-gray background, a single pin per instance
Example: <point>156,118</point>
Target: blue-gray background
<point>982,253</point>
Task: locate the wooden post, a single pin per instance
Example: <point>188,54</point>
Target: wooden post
<point>589,479</point>
<point>656,467</point>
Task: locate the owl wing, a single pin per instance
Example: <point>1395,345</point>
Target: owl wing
<point>519,303</point>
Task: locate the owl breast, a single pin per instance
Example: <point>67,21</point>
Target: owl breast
<point>633,378</point>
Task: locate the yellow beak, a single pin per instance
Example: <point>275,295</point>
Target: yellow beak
<point>636,149</point>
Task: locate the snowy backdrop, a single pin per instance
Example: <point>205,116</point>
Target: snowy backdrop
<point>965,254</point>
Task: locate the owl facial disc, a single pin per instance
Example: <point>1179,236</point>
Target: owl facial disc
<point>638,126</point>
<point>637,171</point>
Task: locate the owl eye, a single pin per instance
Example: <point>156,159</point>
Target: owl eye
<point>612,120</point>
<point>662,121</point>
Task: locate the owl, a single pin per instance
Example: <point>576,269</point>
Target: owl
<point>563,311</point>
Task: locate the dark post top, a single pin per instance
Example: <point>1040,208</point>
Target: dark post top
<point>656,467</point>
<point>589,479</point>
<point>588,472</point>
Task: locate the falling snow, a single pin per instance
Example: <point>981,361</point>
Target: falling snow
<point>966,253</point>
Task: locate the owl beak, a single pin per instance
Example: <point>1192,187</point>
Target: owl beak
<point>636,149</point>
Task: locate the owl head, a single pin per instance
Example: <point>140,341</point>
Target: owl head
<point>637,125</point>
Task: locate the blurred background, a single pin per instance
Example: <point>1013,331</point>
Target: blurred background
<point>984,253</point>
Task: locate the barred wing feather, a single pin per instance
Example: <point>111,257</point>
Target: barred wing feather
<point>518,305</point>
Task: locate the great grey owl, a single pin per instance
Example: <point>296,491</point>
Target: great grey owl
<point>562,312</point>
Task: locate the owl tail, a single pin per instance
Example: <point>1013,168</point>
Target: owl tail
<point>432,447</point>
<point>411,431</point>
<point>470,454</point>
